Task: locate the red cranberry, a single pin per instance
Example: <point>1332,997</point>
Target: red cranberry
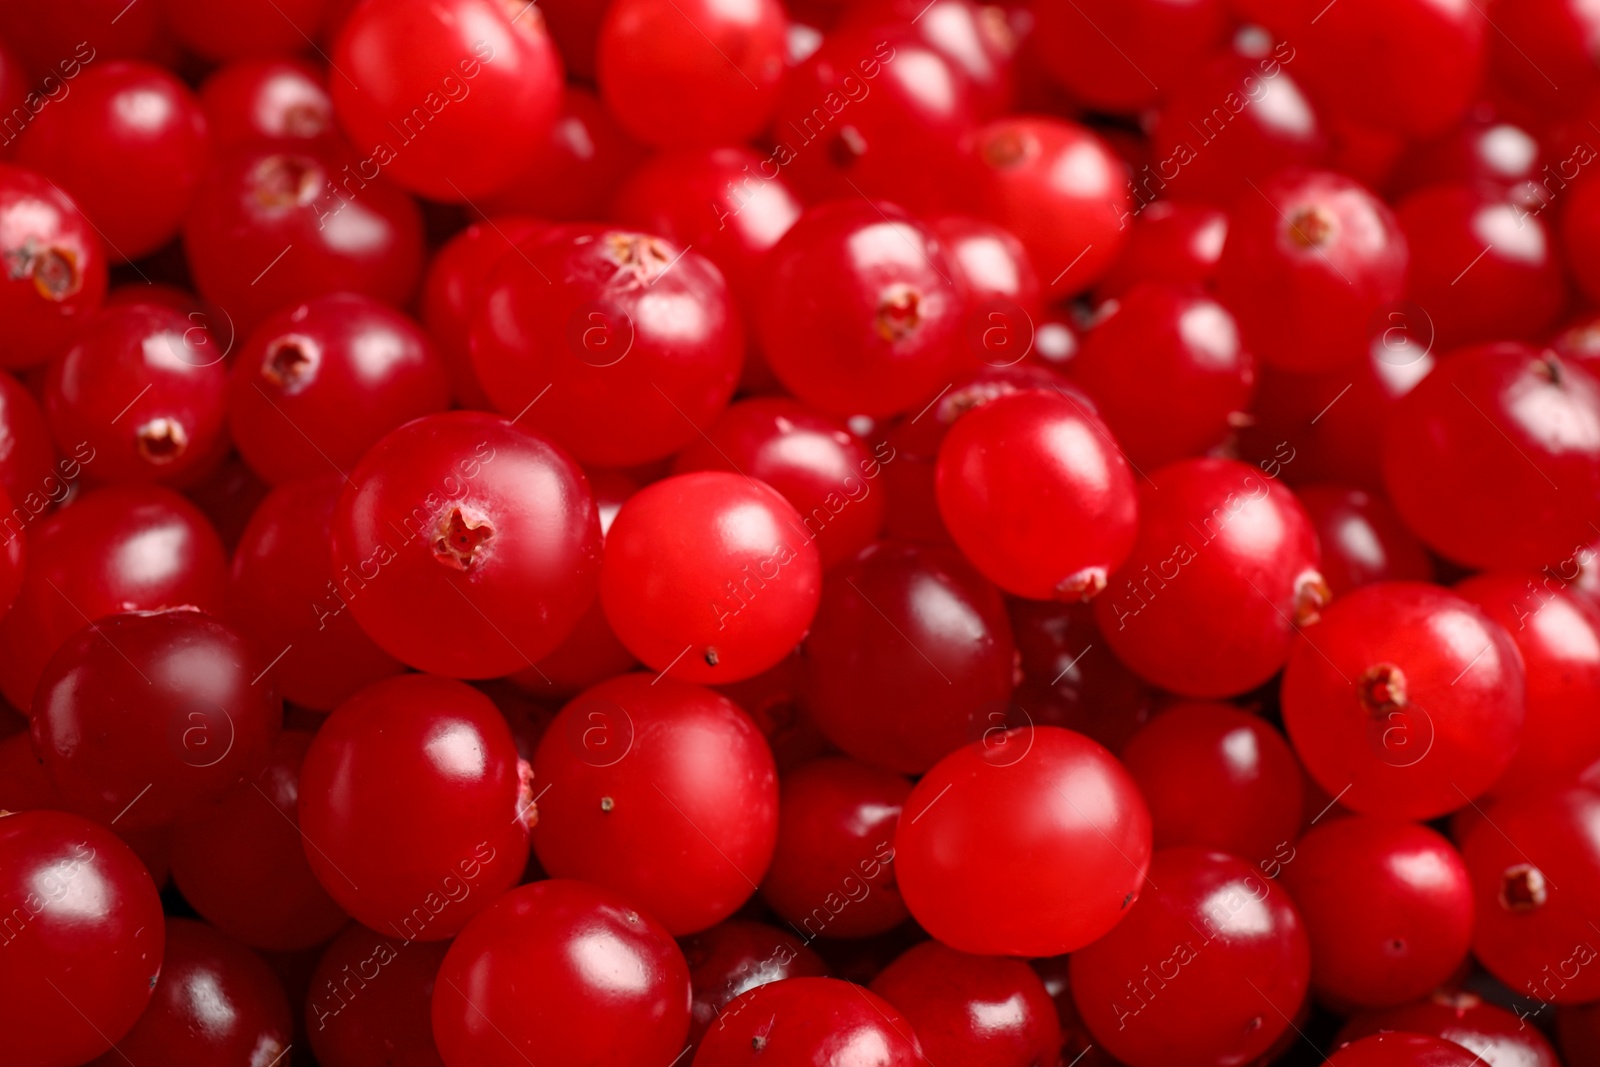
<point>55,268</point>
<point>1070,677</point>
<point>1499,1037</point>
<point>1159,43</point>
<point>370,1003</point>
<point>583,160</point>
<point>29,474</point>
<point>1363,540</point>
<point>282,100</point>
<point>1403,1050</point>
<point>248,27</point>
<point>1169,242</point>
<point>795,1023</point>
<point>735,957</point>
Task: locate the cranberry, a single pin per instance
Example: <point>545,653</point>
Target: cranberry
<point>583,160</point>
<point>371,1000</point>
<point>84,936</point>
<point>1039,849</point>
<point>1403,1050</point>
<point>735,957</point>
<point>705,72</point>
<point>565,972</point>
<point>282,100</point>
<point>121,548</point>
<point>1307,266</point>
<point>638,342</point>
<point>1060,190</point>
<point>739,596</point>
<point>130,144</point>
<point>1071,679</point>
<point>55,269</point>
<point>215,998</point>
<point>910,656</point>
<point>272,225</point>
<point>1535,866</point>
<point>142,391</point>
<point>57,43</point>
<point>318,383</point>
<point>1221,551</point>
<point>832,872</point>
<point>1493,459</point>
<point>1404,700</point>
<point>248,27</point>
<point>1208,966</point>
<point>1362,539</point>
<point>1177,335</point>
<point>450,100</point>
<point>1036,493</point>
<point>1170,242</point>
<point>412,807</point>
<point>1005,297</point>
<point>775,699</point>
<point>1240,764</point>
<point>1159,43</point>
<point>1483,151</point>
<point>820,467</point>
<point>139,715</point>
<point>470,505</point>
<point>1482,268</point>
<point>981,1010</point>
<point>796,1023</point>
<point>859,311</point>
<point>239,860</point>
<point>1499,1037</point>
<point>29,474</point>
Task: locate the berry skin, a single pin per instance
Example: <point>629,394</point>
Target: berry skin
<point>1405,699</point>
<point>736,590</point>
<point>860,311</point>
<point>413,807</point>
<point>578,169</point>
<point>1308,265</point>
<point>1387,906</point>
<point>832,871</point>
<point>102,956</point>
<point>1495,1034</point>
<point>216,1002</point>
<point>355,1020</point>
<point>637,341</point>
<point>1163,41</point>
<point>1207,969</point>
<point>1039,848</point>
<point>55,268</point>
<point>316,384</point>
<point>794,1023</point>
<point>1223,551</point>
<point>449,100</point>
<point>1476,452</point>
<point>130,144</point>
<point>1362,539</point>
<point>138,716</point>
<point>702,73</point>
<point>538,977</point>
<point>628,803</point>
<point>1403,1050</point>
<point>282,100</point>
<point>735,957</point>
<point>249,27</point>
<point>465,545</point>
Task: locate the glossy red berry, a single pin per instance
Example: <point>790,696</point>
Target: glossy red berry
<point>1039,848</point>
<point>121,548</point>
<point>979,1010</point>
<point>283,100</point>
<point>239,860</point>
<point>1005,298</point>
<point>55,267</point>
<point>627,803</point>
<point>701,73</point>
<point>562,971</point>
<point>832,872</point>
<point>637,341</point>
<point>138,716</point>
<point>734,596</point>
<point>1169,241</point>
<point>130,144</point>
<point>30,474</point>
<point>273,225</point>
<point>1222,550</point>
<point>1308,265</point>
<point>1492,460</point>
<point>143,389</point>
<point>735,957</point>
<point>910,656</point>
<point>1403,1050</point>
<point>1405,700</point>
<point>371,1000</point>
<point>1058,187</point>
<point>796,1023</point>
<point>1535,866</point>
<point>1497,1036</point>
<point>1243,767</point>
<point>578,169</point>
<point>1387,906</point>
<point>450,100</point>
<point>1362,539</point>
<point>1036,493</point>
<point>1070,677</point>
<point>465,545</point>
<point>216,1000</point>
<point>318,383</point>
<point>412,807</point>
<point>1208,968</point>
<point>83,961</point>
<point>860,311</point>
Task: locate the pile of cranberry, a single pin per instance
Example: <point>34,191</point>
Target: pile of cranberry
<point>799,533</point>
